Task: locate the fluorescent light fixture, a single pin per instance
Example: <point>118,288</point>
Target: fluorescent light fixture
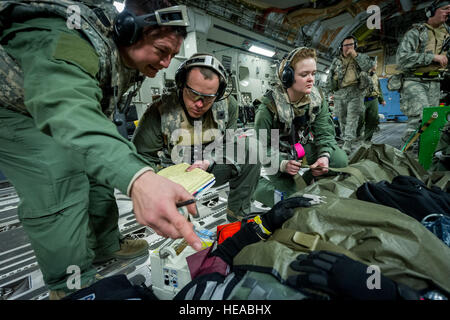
<point>262,51</point>
<point>119,6</point>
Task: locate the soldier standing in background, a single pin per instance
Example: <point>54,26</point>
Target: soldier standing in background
<point>348,81</point>
<point>374,96</point>
<point>421,59</point>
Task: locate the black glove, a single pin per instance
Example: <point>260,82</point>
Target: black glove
<point>228,249</point>
<point>341,277</point>
<point>283,210</point>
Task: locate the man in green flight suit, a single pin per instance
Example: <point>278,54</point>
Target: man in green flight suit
<point>65,68</point>
<point>196,124</point>
<point>297,109</point>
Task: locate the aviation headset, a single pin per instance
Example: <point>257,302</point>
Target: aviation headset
<point>431,9</point>
<point>128,27</point>
<point>341,47</point>
<point>286,72</point>
<point>203,60</point>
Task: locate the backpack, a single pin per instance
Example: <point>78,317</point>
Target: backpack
<point>116,287</point>
<point>407,194</point>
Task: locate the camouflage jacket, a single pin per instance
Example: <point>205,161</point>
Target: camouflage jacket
<point>375,88</point>
<point>62,74</point>
<point>95,24</point>
<point>275,112</point>
<point>411,52</point>
<point>338,71</point>
<point>166,125</point>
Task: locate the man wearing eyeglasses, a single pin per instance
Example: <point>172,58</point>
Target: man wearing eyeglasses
<point>347,81</point>
<point>182,126</point>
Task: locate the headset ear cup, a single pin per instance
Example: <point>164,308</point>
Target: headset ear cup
<point>126,31</point>
<point>221,90</point>
<point>180,76</point>
<point>430,11</point>
<point>287,77</point>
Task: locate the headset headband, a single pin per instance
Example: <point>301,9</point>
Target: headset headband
<point>431,9</point>
<point>171,17</point>
<point>128,27</point>
<point>205,60</point>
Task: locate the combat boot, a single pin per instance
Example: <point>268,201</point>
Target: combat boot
<point>232,217</point>
<point>61,294</point>
<point>56,294</point>
<point>129,249</point>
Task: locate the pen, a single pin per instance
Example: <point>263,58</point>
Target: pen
<point>185,203</point>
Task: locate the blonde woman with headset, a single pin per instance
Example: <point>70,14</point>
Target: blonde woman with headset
<point>296,108</point>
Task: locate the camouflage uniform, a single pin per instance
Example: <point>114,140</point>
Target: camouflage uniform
<point>166,135</point>
<point>421,81</point>
<point>316,134</point>
<point>348,81</point>
<point>370,120</point>
<point>58,146</point>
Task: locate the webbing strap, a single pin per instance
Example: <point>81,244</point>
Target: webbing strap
<point>300,241</point>
<point>350,170</point>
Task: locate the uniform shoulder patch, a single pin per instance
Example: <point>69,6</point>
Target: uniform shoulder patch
<point>75,50</point>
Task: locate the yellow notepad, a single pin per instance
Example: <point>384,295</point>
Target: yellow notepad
<point>194,181</point>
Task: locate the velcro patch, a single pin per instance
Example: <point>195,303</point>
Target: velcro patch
<point>75,50</point>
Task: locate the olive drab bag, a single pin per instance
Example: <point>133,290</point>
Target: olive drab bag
<point>403,249</point>
<point>370,163</point>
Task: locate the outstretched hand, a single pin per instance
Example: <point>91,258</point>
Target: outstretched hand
<point>154,202</point>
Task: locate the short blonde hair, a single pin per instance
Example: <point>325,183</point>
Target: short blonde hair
<point>303,54</point>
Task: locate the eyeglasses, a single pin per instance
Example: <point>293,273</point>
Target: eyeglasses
<point>195,95</point>
<point>349,45</point>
